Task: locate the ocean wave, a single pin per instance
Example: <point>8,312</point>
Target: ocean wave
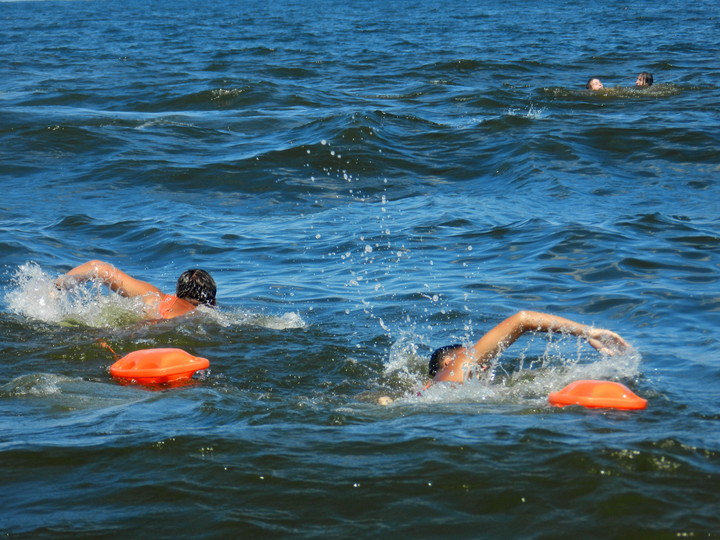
<point>656,91</point>
<point>38,384</point>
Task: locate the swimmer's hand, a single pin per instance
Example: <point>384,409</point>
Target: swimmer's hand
<point>66,282</point>
<point>606,341</point>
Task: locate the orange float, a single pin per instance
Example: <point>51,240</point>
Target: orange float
<point>597,394</point>
<point>157,366</point>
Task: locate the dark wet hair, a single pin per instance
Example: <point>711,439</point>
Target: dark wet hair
<point>437,357</point>
<point>591,79</point>
<point>646,78</point>
<point>198,285</point>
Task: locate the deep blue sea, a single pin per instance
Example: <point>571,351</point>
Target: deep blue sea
<point>366,180</point>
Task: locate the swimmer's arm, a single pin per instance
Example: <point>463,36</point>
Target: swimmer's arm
<point>508,331</point>
<point>117,280</point>
<point>605,341</point>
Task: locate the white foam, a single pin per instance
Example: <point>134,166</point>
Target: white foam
<point>33,294</point>
<point>37,384</point>
<point>286,321</point>
<point>528,382</point>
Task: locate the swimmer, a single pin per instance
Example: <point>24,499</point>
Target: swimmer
<point>455,363</point>
<point>194,287</point>
<point>644,79</point>
<point>594,84</point>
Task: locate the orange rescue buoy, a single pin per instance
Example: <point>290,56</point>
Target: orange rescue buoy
<point>157,366</point>
<point>597,394</point>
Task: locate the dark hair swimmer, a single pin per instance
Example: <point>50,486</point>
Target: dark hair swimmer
<point>194,287</point>
<point>644,79</point>
<point>454,363</point>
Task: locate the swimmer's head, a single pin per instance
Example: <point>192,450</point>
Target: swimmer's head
<point>439,358</point>
<point>644,79</point>
<point>198,286</point>
<point>594,84</point>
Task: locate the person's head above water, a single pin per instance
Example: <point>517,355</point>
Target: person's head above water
<point>196,285</point>
<point>457,363</point>
<point>644,79</point>
<point>440,358</point>
<point>594,84</point>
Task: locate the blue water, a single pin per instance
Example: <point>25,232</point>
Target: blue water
<point>366,181</point>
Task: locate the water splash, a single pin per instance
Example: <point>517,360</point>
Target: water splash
<point>33,294</point>
<point>533,112</point>
<point>286,321</point>
<point>515,377</point>
<point>36,384</point>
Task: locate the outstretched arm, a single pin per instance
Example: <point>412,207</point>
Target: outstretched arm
<point>117,280</point>
<point>508,331</point>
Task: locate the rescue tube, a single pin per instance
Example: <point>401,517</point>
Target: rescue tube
<point>597,394</point>
<point>157,366</point>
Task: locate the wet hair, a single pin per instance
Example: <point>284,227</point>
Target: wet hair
<point>437,358</point>
<point>197,285</point>
<point>645,78</point>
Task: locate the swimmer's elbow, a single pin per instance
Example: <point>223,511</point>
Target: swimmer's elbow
<point>530,321</point>
<point>102,270</point>
<point>524,319</point>
<point>97,264</point>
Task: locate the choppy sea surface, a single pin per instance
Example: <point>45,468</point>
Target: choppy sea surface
<point>366,181</point>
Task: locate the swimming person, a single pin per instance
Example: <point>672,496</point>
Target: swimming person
<point>644,79</point>
<point>594,84</point>
<point>455,363</point>
<point>194,287</point>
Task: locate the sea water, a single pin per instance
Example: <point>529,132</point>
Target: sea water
<point>366,181</point>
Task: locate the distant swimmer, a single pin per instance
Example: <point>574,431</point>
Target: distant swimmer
<point>644,79</point>
<point>455,363</point>
<point>194,288</point>
<point>594,84</point>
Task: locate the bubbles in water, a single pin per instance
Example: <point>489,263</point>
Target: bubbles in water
<point>35,296</point>
<point>513,378</point>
